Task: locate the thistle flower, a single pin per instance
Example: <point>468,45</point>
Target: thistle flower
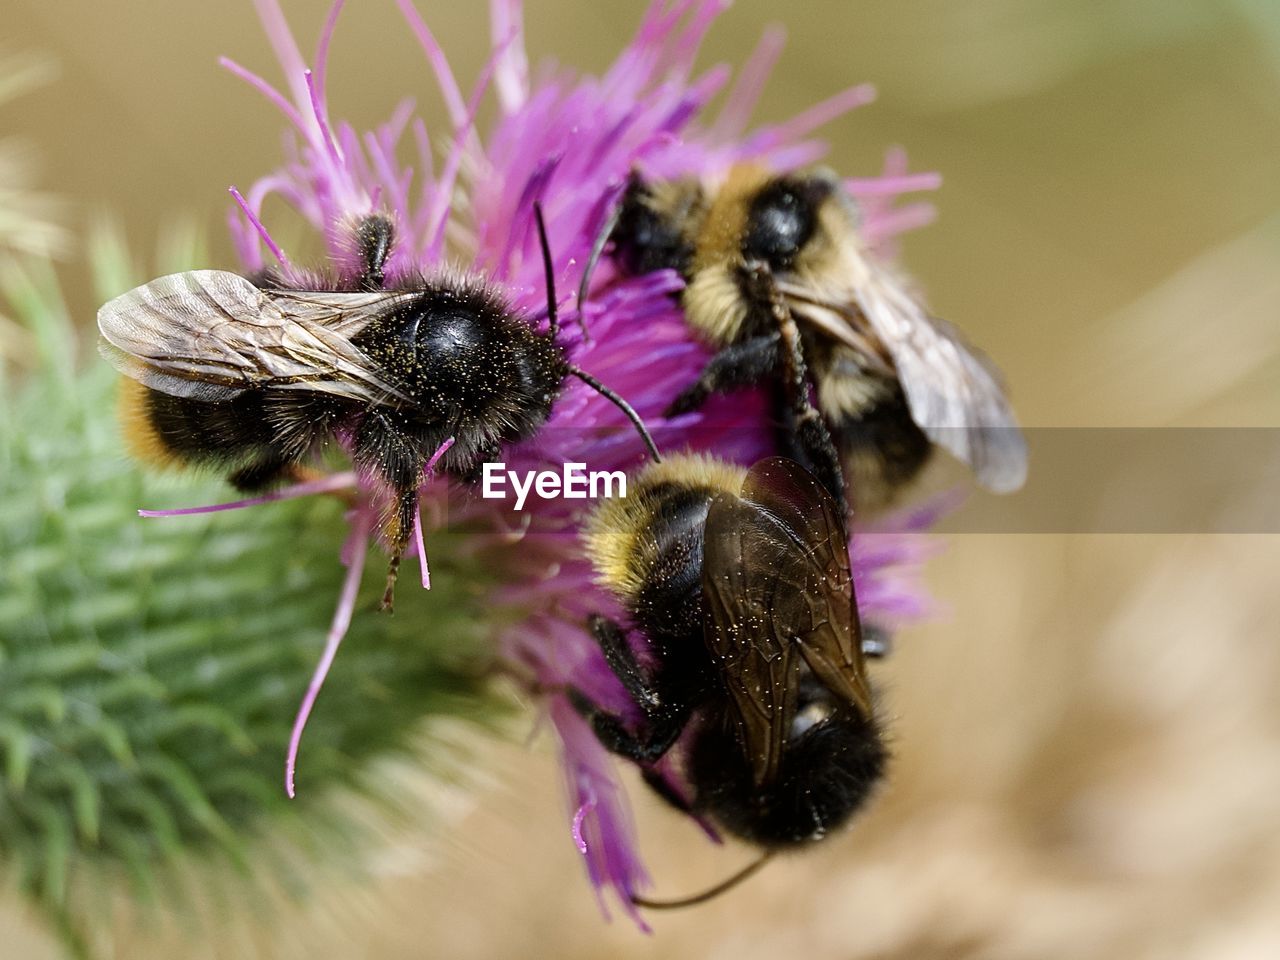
<point>569,141</point>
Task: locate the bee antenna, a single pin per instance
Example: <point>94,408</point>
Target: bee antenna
<point>710,894</point>
<point>553,317</point>
<point>597,251</point>
<point>622,405</point>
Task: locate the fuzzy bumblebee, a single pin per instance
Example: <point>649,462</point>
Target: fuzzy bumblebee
<point>890,379</point>
<point>739,580</point>
<point>256,376</point>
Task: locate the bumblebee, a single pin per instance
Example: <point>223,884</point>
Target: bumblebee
<point>891,381</point>
<point>255,376</point>
<point>754,672</point>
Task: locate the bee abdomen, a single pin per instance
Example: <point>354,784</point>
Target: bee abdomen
<point>883,449</point>
<point>256,435</point>
<point>169,430</point>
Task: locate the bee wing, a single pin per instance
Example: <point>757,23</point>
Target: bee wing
<point>779,595</point>
<point>210,335</point>
<point>954,395</point>
<point>952,390</point>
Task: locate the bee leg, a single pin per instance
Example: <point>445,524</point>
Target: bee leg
<point>622,661</point>
<point>399,529</point>
<point>375,236</point>
<point>659,731</point>
<point>811,433</point>
<point>662,723</point>
<point>814,440</point>
<point>737,365</point>
<point>388,602</point>
<point>385,447</point>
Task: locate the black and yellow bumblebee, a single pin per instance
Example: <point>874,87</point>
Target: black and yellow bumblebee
<point>891,380</point>
<point>752,666</point>
<point>256,375</point>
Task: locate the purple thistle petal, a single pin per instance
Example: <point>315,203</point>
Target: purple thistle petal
<point>816,116</point>
<point>359,541</point>
<point>602,828</point>
<point>887,186</point>
<point>267,90</point>
<point>427,471</point>
<point>431,48</point>
<point>258,227</point>
<point>512,69</point>
<point>685,48</point>
<point>911,217</point>
<point>420,544</point>
<point>322,49</point>
<point>286,49</point>
<point>440,209</point>
<point>318,113</point>
<point>746,91</point>
<point>330,484</point>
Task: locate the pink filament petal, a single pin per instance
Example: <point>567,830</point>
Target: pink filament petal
<point>911,217</point>
<point>453,163</point>
<point>512,74</point>
<point>685,47</point>
<point>258,226</point>
<point>749,85</point>
<point>892,185</point>
<point>267,90</point>
<point>322,49</point>
<point>317,110</point>
<point>435,457</point>
<point>816,116</point>
<point>330,484</point>
<point>449,88</point>
<point>397,184</point>
<point>286,48</point>
<point>418,540</point>
<point>579,817</point>
<point>338,630</point>
<point>420,543</point>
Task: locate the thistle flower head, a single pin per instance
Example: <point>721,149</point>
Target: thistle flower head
<point>569,141</point>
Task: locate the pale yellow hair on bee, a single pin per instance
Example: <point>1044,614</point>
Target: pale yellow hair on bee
<point>136,425</point>
<point>616,536</point>
<point>713,302</point>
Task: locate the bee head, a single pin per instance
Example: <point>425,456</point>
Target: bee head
<point>783,217</point>
<point>656,223</point>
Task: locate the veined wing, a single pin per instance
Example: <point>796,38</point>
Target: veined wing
<point>209,335</point>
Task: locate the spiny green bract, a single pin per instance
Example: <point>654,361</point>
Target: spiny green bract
<point>150,668</point>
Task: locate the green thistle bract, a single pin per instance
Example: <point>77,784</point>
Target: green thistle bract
<point>149,669</point>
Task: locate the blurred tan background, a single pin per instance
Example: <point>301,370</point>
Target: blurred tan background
<point>1088,742</point>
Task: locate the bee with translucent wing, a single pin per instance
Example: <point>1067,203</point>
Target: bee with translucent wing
<point>254,376</point>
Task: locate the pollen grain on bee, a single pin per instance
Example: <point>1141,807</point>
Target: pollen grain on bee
<point>572,482</point>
